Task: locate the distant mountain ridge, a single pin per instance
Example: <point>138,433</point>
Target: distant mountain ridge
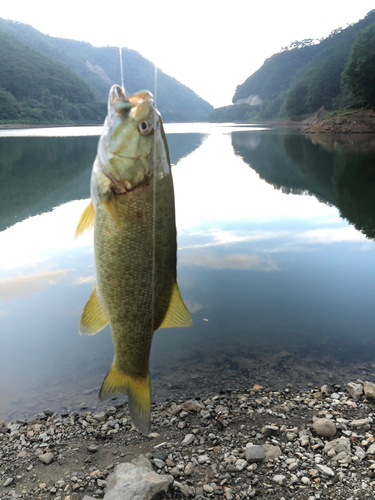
<point>98,68</point>
<point>301,79</point>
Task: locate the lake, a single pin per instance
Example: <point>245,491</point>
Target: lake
<point>275,262</point>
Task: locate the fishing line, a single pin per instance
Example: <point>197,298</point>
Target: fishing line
<point>153,265</point>
<point>122,70</point>
<point>153,252</point>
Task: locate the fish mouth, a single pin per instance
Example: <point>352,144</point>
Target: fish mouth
<point>122,187</point>
<point>122,103</point>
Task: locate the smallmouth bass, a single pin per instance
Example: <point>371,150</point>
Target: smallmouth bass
<point>132,212</point>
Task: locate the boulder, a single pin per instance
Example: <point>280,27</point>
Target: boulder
<point>136,482</point>
<point>369,389</point>
<point>355,390</point>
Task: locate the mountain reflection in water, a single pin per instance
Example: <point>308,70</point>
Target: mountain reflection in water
<point>280,287</point>
<point>337,170</point>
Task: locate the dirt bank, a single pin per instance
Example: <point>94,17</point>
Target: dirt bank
<point>350,122</point>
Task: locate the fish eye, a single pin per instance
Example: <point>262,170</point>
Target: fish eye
<point>144,127</point>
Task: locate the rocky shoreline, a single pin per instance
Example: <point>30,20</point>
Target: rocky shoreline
<point>353,122</point>
<point>287,444</point>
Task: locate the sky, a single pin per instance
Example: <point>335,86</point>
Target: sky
<point>209,45</point>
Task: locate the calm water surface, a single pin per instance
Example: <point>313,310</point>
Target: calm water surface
<point>275,262</point>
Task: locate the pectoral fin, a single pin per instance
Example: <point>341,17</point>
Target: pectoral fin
<point>177,314</point>
<point>111,207</point>
<point>94,318</point>
<point>86,221</point>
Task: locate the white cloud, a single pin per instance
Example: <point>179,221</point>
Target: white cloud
<point>23,286</point>
<point>245,262</point>
<point>34,240</point>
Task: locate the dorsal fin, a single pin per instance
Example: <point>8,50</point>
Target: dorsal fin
<point>177,314</point>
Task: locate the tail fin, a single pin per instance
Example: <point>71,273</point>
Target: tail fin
<point>138,390</point>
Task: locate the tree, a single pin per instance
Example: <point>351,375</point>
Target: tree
<point>359,73</point>
<point>296,104</point>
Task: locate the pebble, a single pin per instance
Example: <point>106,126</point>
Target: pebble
<point>254,453</point>
<point>324,427</point>
<point>325,470</point>
<point>189,469</point>
<point>46,458</point>
<point>278,479</point>
<point>189,438</point>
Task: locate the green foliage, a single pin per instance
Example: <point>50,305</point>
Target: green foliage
<point>359,74</point>
<point>233,113</point>
<point>271,107</point>
<point>276,74</point>
<point>296,103</point>
<point>35,89</point>
<point>311,74</point>
<point>99,67</point>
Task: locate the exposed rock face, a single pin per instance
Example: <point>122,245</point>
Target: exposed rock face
<point>253,100</point>
<point>95,68</point>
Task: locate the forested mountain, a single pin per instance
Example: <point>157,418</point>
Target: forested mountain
<point>94,69</point>
<point>34,88</point>
<point>299,80</point>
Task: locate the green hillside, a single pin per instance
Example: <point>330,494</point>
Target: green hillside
<point>36,89</point>
<point>299,80</point>
<point>99,67</point>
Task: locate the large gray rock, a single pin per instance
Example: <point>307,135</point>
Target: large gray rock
<point>271,452</point>
<point>136,482</point>
<point>355,390</point>
<point>369,389</point>
<point>254,453</point>
<point>324,427</point>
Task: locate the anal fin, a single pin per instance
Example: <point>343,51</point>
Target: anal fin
<point>94,318</point>
<point>177,314</point>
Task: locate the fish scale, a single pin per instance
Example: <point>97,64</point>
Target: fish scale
<point>124,264</point>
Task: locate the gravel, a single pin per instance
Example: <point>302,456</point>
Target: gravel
<point>235,444</point>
